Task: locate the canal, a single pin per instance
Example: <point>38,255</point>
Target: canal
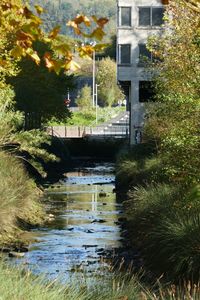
<point>84,225</point>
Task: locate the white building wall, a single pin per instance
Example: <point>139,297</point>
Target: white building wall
<point>135,35</point>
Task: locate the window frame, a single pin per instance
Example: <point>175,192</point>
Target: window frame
<point>150,59</point>
<point>119,54</point>
<point>151,16</point>
<point>120,17</point>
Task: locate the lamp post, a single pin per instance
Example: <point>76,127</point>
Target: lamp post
<point>96,103</point>
<point>93,73</point>
<point>93,79</point>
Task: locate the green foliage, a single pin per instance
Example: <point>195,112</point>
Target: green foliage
<point>84,99</point>
<point>165,222</point>
<point>163,217</point>
<point>19,284</point>
<point>174,122</point>
<point>88,117</point>
<point>19,197</point>
<point>40,91</point>
<point>109,92</point>
<point>140,166</point>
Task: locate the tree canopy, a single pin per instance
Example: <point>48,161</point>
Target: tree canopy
<point>174,122</point>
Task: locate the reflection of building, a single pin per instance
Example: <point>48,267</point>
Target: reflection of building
<point>137,20</point>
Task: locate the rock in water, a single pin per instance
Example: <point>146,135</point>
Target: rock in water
<point>16,254</point>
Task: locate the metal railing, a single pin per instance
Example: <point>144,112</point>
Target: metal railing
<point>83,131</point>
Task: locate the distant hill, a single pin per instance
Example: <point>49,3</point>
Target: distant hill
<point>60,11</point>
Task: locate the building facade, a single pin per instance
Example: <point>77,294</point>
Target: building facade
<point>137,20</point>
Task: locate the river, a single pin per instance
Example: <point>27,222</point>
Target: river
<point>83,228</point>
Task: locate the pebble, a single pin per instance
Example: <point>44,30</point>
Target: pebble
<point>16,254</point>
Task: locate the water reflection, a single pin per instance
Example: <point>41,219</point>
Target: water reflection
<point>85,224</point>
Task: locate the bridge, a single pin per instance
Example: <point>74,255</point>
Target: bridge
<point>117,127</point>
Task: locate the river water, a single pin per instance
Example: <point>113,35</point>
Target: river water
<point>86,226</point>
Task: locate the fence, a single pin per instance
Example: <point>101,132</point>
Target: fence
<point>81,131</point>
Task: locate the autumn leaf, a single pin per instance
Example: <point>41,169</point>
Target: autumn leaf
<point>82,19</point>
<point>17,51</point>
<point>48,61</point>
<point>98,34</point>
<point>74,26</point>
<point>72,66</point>
<point>33,55</point>
<point>53,34</point>
<point>100,22</point>
<point>86,50</point>
<point>39,9</point>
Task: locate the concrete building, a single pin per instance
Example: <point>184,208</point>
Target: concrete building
<point>137,20</point>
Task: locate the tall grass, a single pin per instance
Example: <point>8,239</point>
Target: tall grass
<point>18,197</point>
<point>17,284</point>
<point>166,226</point>
<point>163,217</point>
<point>139,166</point>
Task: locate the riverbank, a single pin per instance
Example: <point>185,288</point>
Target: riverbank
<point>162,216</point>
<point>20,207</point>
<point>18,284</point>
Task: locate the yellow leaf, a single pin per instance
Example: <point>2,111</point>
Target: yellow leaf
<point>33,55</point>
<point>39,9</point>
<point>72,66</point>
<point>17,51</point>
<point>74,26</point>
<point>53,34</point>
<point>98,33</point>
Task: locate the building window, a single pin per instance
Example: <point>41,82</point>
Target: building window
<point>125,54</point>
<point>144,54</point>
<point>125,16</point>
<point>146,91</point>
<point>151,16</point>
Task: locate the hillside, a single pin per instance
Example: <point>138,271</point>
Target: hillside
<point>60,11</point>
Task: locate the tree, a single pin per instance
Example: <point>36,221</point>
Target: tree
<point>20,28</point>
<point>40,92</point>
<point>84,99</point>
<point>109,92</point>
<point>174,122</point>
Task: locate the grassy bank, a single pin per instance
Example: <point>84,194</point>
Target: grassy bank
<point>87,117</point>
<point>19,205</point>
<point>163,217</point>
<point>17,284</point>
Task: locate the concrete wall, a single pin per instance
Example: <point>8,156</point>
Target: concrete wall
<point>134,73</point>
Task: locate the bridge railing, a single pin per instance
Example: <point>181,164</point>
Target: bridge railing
<point>83,131</point>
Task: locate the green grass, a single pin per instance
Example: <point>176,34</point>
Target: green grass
<point>18,198</point>
<point>87,117</point>
<point>17,284</point>
<point>165,225</point>
<point>139,166</point>
<point>163,217</point>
